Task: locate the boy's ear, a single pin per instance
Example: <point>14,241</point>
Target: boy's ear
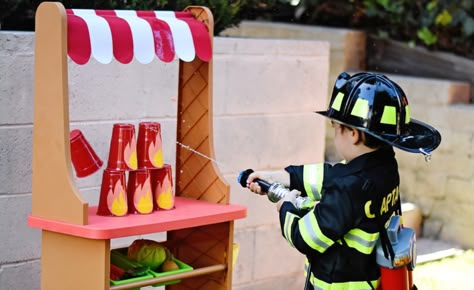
<point>356,136</point>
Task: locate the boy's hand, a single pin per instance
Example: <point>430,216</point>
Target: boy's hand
<point>253,186</point>
<point>290,196</point>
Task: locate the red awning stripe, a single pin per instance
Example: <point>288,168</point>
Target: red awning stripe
<point>125,34</point>
<point>121,36</point>
<point>164,46</point>
<point>78,41</point>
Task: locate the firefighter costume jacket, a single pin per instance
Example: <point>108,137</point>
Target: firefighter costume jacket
<point>338,234</point>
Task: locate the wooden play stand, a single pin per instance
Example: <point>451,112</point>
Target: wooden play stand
<point>75,241</point>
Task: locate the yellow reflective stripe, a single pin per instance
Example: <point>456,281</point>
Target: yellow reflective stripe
<point>313,175</point>
<point>308,204</point>
<point>312,235</point>
<point>352,285</point>
<point>361,108</point>
<point>389,115</point>
<point>289,219</point>
<point>407,114</point>
<point>336,105</point>
<point>361,241</point>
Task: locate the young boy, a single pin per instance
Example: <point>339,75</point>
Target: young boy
<point>354,199</point>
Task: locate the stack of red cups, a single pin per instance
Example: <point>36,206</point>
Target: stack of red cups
<point>149,185</point>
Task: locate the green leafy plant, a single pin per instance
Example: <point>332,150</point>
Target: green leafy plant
<point>436,24</point>
<point>19,15</point>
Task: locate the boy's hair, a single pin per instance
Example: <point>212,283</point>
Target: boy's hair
<point>372,142</point>
<point>367,139</point>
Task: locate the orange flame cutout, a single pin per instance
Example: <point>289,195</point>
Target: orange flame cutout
<point>116,200</point>
<point>155,152</point>
<point>130,154</point>
<point>142,198</point>
<point>164,197</point>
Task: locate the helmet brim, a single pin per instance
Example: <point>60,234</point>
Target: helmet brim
<point>420,138</point>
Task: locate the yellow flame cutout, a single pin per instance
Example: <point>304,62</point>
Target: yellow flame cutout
<point>155,152</point>
<point>116,200</point>
<point>130,154</point>
<point>143,198</point>
<point>164,197</point>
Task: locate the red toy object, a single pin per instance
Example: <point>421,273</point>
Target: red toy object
<point>395,279</point>
<point>113,194</point>
<point>123,148</point>
<point>162,185</point>
<point>149,145</point>
<point>83,157</point>
<point>139,193</point>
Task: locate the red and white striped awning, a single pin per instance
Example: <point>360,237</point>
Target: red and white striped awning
<point>125,34</point>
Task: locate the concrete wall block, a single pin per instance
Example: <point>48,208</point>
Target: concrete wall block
<point>441,92</point>
<point>273,255</point>
<point>456,219</point>
<point>17,43</point>
<point>21,276</point>
<point>458,190</point>
<point>408,185</point>
<point>454,141</point>
<point>347,46</point>
<point>244,266</point>
<point>408,160</point>
<point>350,44</point>
<point>245,142</point>
<point>16,88</point>
<point>19,242</point>
<point>458,233</point>
<point>260,211</point>
<point>122,92</point>
<point>453,165</point>
<point>454,117</point>
<point>433,185</point>
<point>426,204</point>
<point>290,76</point>
<point>432,228</point>
<point>15,159</point>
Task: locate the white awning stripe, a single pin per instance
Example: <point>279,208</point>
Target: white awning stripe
<point>183,39</point>
<point>143,43</point>
<point>100,35</point>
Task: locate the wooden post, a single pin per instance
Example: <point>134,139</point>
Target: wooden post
<point>54,194</point>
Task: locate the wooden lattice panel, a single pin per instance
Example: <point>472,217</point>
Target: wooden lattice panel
<point>201,247</point>
<point>196,176</point>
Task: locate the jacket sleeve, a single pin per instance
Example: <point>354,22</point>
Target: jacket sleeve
<point>324,225</point>
<point>308,179</point>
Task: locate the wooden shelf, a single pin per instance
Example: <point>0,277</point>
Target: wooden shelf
<point>152,281</point>
<point>188,213</point>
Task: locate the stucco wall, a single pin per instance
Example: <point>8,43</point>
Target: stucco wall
<point>265,92</point>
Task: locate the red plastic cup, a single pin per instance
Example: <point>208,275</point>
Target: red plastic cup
<point>123,148</point>
<point>113,194</point>
<point>162,185</point>
<point>149,145</point>
<point>83,157</point>
<point>140,195</point>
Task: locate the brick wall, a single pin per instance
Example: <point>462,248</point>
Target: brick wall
<point>265,91</point>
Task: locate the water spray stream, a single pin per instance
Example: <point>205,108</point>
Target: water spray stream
<point>223,165</point>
